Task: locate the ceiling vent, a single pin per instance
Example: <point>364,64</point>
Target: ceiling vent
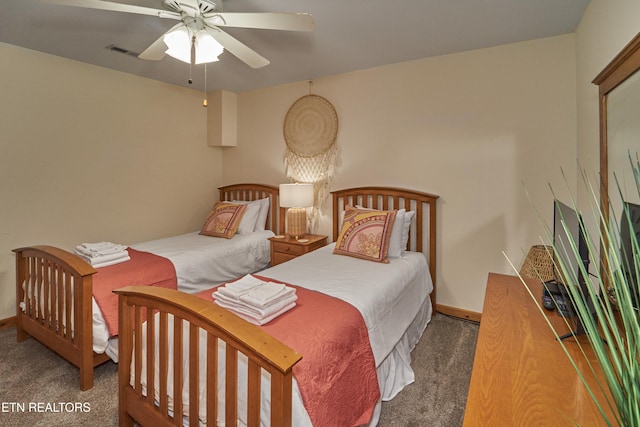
<point>122,50</point>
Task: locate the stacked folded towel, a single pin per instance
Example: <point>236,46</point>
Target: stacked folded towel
<point>256,301</point>
<point>102,254</point>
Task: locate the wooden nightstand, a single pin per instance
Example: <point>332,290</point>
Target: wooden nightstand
<point>285,248</point>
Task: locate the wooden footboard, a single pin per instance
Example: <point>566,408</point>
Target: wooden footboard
<point>53,305</point>
<point>173,309</point>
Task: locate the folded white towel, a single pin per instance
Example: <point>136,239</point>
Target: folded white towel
<point>267,294</point>
<point>254,300</point>
<point>96,245</point>
<point>99,259</point>
<point>256,321</point>
<point>97,249</point>
<point>242,285</point>
<point>256,313</point>
<point>108,263</point>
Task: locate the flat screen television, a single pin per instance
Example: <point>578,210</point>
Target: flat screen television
<point>567,233</point>
<point>630,232</point>
<point>571,251</point>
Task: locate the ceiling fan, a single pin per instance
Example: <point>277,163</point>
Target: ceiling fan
<point>199,30</point>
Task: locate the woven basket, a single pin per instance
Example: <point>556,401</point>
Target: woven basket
<point>539,263</point>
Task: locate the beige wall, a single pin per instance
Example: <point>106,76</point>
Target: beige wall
<point>469,127</point>
<point>89,154</point>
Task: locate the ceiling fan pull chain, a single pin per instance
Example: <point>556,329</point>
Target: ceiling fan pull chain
<point>205,103</point>
<point>193,57</point>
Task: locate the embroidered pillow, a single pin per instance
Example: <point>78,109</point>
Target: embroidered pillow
<point>223,220</point>
<point>397,236</point>
<point>365,234</point>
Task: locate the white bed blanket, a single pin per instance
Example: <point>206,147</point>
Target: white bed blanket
<point>201,262</point>
<point>387,295</point>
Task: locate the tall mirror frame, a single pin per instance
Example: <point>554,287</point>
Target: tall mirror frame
<point>614,75</point>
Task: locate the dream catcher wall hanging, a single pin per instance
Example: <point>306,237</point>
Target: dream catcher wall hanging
<point>310,130</point>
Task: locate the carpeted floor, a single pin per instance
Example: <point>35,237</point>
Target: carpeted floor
<point>38,388</point>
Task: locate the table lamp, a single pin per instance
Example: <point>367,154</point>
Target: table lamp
<point>296,197</point>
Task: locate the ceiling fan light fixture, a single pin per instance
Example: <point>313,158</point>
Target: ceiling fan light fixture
<point>178,44</point>
<point>179,41</point>
<point>207,48</point>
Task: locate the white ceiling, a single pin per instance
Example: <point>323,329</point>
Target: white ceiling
<point>350,35</point>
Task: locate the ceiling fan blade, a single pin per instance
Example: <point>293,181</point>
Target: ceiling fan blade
<point>116,7</point>
<point>239,49</point>
<point>156,51</point>
<point>267,21</point>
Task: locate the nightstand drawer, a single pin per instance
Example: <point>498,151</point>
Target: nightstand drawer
<point>287,248</point>
<point>279,257</point>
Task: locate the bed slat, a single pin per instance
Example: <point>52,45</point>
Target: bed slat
<point>164,362</point>
<point>177,373</point>
<point>254,394</point>
<point>194,372</point>
<point>212,377</point>
<point>231,386</point>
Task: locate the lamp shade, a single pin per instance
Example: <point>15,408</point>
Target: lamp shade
<point>296,195</point>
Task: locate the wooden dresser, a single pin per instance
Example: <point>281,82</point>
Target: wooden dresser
<point>521,376</point>
<point>286,248</point>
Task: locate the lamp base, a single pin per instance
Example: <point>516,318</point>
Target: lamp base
<point>296,222</point>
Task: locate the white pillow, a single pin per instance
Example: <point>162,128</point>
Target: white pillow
<point>408,217</point>
<point>395,242</point>
<point>263,205</point>
<point>264,212</point>
<point>249,218</point>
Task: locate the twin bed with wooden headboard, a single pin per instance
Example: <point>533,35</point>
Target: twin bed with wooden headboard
<point>46,273</point>
<point>331,360</point>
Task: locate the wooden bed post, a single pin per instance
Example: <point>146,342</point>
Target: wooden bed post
<point>21,269</point>
<point>125,339</point>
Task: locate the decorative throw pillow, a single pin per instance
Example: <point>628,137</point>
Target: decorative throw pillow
<point>223,220</point>
<point>365,234</point>
<point>395,241</point>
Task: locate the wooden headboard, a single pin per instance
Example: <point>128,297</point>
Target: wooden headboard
<point>422,237</point>
<point>248,192</point>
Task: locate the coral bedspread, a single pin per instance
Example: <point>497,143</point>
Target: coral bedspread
<point>337,374</point>
<point>143,269</point>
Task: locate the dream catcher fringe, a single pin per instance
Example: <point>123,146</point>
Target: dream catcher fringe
<point>318,170</point>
